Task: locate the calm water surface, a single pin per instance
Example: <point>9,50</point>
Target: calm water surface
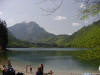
<point>52,58</point>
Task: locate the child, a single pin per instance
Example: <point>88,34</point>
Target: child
<point>51,73</point>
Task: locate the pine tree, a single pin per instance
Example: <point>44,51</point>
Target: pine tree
<point>3,35</point>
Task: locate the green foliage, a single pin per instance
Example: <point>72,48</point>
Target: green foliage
<point>87,37</point>
<point>92,10</point>
<point>59,40</point>
<point>83,17</point>
<point>13,42</point>
<point>3,35</point>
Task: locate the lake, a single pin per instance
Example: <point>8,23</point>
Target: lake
<point>52,58</point>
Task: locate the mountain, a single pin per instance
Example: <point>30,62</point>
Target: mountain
<point>86,37</point>
<point>13,42</point>
<point>29,32</point>
<point>59,40</point>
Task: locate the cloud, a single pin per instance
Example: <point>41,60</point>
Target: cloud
<point>69,33</point>
<point>83,6</point>
<point>11,22</point>
<point>59,18</point>
<point>75,24</point>
<point>1,13</point>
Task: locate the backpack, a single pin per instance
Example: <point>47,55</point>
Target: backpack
<point>11,71</point>
<point>20,73</point>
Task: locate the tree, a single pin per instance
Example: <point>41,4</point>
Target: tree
<point>3,35</point>
<point>91,8</point>
<point>55,5</point>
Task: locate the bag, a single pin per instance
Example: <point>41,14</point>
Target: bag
<point>20,73</point>
<point>11,71</point>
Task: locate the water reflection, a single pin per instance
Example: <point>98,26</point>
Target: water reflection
<point>55,60</point>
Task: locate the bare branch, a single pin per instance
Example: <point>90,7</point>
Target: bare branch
<point>42,1</point>
<point>50,10</point>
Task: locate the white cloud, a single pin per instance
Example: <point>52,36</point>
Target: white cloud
<point>76,24</point>
<point>1,13</point>
<point>83,6</point>
<point>11,22</point>
<point>69,33</point>
<point>59,18</point>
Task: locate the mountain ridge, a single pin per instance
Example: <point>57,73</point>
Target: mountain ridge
<point>29,31</point>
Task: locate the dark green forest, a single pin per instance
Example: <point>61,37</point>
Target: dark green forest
<point>86,37</point>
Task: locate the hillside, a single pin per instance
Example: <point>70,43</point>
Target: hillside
<point>16,43</point>
<point>13,42</point>
<point>59,40</point>
<point>87,37</point>
<point>29,32</point>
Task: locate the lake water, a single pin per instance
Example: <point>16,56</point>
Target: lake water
<point>52,58</point>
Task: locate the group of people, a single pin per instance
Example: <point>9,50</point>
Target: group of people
<point>8,69</point>
<point>40,71</point>
<point>30,68</point>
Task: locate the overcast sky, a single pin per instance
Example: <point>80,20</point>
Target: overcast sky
<point>64,21</point>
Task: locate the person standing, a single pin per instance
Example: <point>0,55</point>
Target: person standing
<point>31,69</point>
<point>26,68</point>
<point>42,68</point>
<point>38,71</point>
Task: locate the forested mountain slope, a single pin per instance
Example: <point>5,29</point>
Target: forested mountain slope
<point>86,37</point>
